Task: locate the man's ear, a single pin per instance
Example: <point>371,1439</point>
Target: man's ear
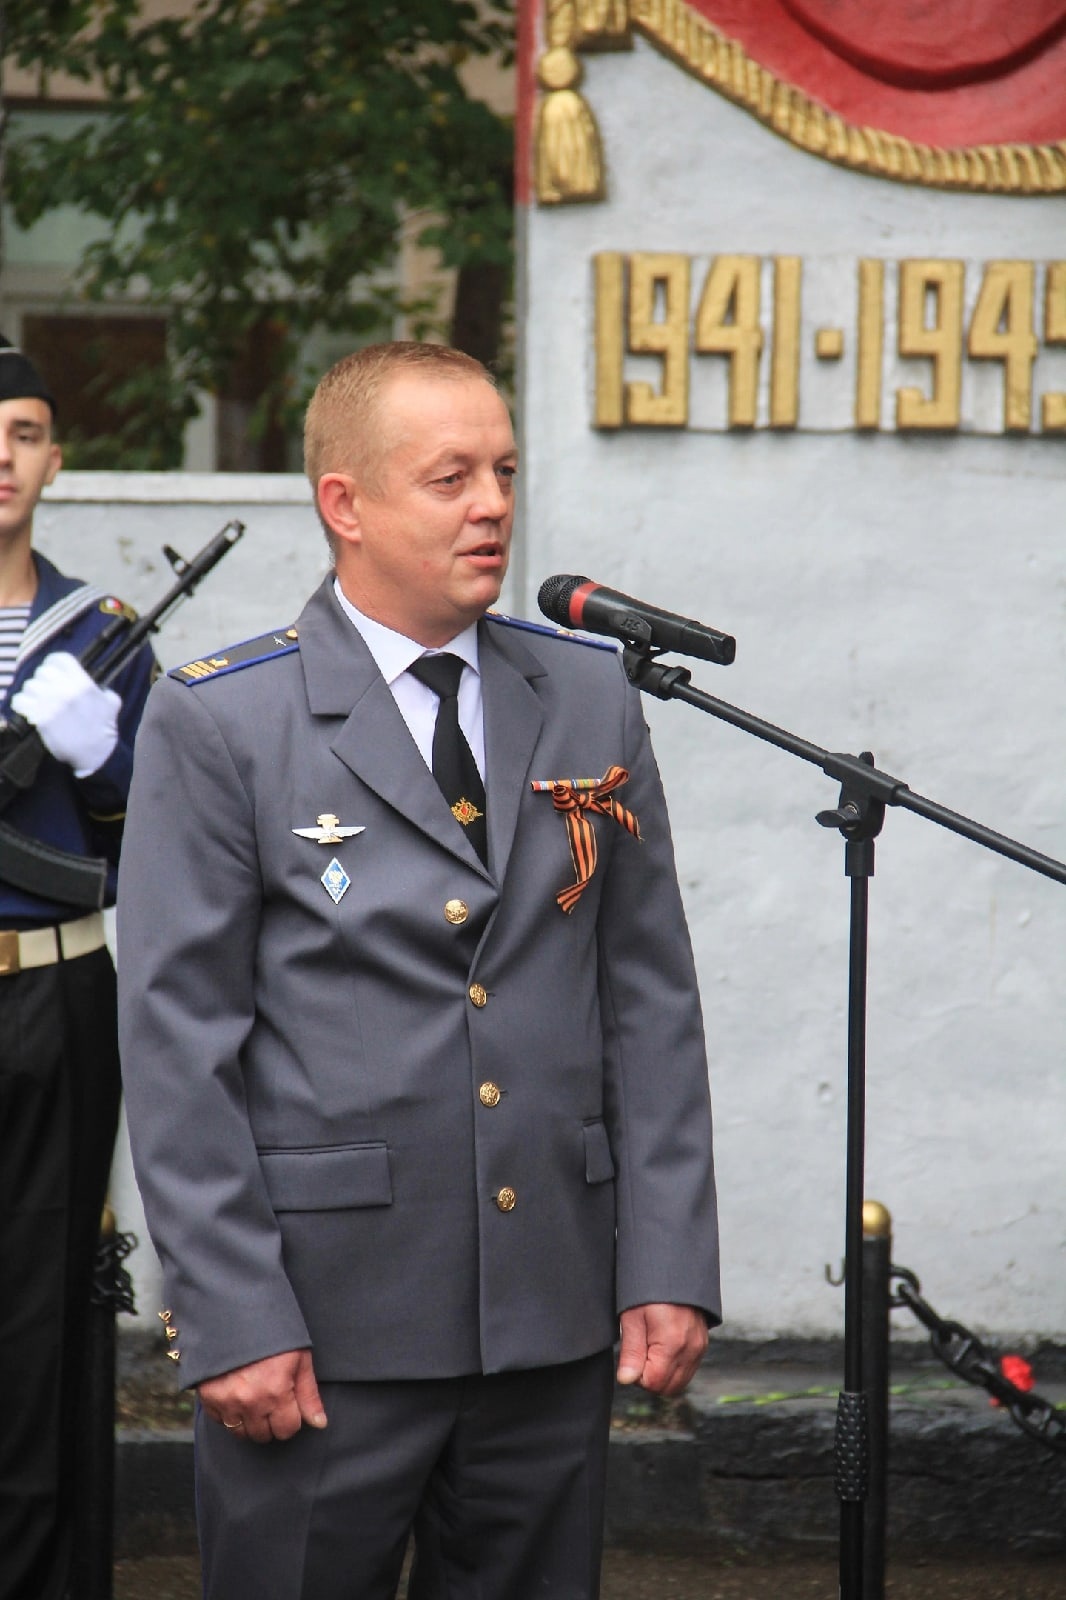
<point>55,461</point>
<point>338,505</point>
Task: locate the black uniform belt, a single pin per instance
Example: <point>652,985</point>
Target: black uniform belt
<point>42,947</point>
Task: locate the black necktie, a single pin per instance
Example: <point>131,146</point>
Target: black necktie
<point>454,766</point>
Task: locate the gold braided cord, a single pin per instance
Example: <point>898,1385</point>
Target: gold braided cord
<point>701,49</point>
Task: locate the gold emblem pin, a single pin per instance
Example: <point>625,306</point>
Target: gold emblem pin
<point>465,812</point>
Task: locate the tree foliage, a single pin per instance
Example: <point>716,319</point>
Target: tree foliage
<point>257,161</point>
<point>33,32</point>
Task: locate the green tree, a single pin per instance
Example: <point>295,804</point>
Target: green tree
<point>28,30</point>
<point>255,166</point>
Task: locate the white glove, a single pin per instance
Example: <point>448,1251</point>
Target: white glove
<point>76,719</point>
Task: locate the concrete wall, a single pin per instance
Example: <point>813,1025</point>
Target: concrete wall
<point>888,591</point>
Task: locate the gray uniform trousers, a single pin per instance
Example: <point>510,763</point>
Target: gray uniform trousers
<point>501,1478</point>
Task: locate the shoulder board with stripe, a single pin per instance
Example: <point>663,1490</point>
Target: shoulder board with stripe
<point>249,654</point>
<point>553,633</point>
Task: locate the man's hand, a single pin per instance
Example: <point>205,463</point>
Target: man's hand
<point>76,719</point>
<point>662,1345</point>
<point>269,1399</point>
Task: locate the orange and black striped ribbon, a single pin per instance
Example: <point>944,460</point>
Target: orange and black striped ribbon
<point>575,798</point>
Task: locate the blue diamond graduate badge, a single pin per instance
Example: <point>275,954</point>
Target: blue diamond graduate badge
<point>336,881</point>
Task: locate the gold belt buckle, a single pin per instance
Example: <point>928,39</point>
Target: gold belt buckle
<point>9,953</point>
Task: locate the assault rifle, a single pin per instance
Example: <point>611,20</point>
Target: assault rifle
<point>42,869</point>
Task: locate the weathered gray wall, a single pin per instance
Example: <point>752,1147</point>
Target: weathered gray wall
<point>899,593</point>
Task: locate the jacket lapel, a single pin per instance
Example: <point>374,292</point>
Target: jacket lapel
<point>373,741</point>
<point>514,718</point>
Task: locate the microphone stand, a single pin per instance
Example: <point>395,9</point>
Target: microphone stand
<point>858,815</point>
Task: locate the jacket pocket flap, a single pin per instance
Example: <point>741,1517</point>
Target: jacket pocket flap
<point>599,1166</point>
<point>327,1180</point>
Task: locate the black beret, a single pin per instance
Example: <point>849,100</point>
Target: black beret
<point>19,378</point>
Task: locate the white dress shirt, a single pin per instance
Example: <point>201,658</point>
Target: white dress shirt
<point>417,703</point>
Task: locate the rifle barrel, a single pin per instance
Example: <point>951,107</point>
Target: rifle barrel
<point>130,636</point>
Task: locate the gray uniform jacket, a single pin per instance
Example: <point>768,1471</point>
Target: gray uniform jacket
<point>312,1083</point>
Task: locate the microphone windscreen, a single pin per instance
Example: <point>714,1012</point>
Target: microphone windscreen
<point>554,597</point>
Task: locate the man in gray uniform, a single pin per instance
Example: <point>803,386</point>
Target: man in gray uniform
<point>412,1046</point>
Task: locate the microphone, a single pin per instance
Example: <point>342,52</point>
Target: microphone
<point>579,603</point>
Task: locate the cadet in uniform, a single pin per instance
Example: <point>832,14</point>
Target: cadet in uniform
<point>59,1077</point>
<point>414,1058</point>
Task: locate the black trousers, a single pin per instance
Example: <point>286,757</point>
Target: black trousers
<point>500,1478</point>
<point>59,1101</point>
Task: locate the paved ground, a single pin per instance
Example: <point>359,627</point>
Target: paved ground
<point>753,1448</point>
<point>644,1575</point>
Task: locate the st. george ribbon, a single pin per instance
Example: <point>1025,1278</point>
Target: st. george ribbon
<point>579,603</point>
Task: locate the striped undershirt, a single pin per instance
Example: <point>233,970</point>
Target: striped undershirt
<point>13,620</point>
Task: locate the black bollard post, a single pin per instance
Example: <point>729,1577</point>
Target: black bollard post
<point>876,1271</point>
<point>94,1503</point>
<point>95,1490</point>
<point>92,1563</point>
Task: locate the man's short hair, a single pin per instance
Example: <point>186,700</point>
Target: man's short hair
<point>339,429</point>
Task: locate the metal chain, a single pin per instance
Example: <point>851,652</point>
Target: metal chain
<point>112,1286</point>
<point>964,1354</point>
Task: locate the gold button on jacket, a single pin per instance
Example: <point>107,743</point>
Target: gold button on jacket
<point>489,1095</point>
<point>506,1199</point>
<point>478,996</point>
<point>456,911</point>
